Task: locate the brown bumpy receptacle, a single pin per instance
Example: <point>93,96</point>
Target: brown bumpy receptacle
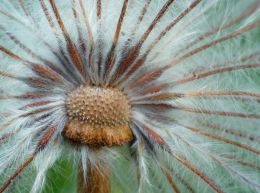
<point>98,117</point>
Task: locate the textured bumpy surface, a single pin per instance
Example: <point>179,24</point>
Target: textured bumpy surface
<point>98,117</point>
<point>189,70</point>
<point>98,106</point>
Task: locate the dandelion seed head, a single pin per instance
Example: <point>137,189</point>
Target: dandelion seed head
<point>150,96</point>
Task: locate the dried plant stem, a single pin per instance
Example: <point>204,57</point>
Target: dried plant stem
<point>97,180</point>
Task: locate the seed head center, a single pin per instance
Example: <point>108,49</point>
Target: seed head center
<point>98,116</point>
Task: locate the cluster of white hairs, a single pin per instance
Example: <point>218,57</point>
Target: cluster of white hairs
<point>189,68</point>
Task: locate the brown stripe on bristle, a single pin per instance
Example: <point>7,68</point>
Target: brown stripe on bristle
<point>98,49</point>
<point>81,40</point>
<point>171,180</point>
<point>12,55</point>
<point>51,67</point>
<point>206,46</point>
<point>46,72</point>
<point>66,62</point>
<point>23,7</point>
<point>185,183</point>
<point>35,112</point>
<point>233,131</point>
<point>74,54</point>
<point>133,53</point>
<point>125,62</point>
<point>198,172</point>
<point>243,162</point>
<point>191,167</point>
<point>153,135</point>
<point>229,95</point>
<point>99,9</point>
<point>16,173</point>
<point>174,22</point>
<point>11,17</point>
<point>36,104</point>
<point>223,139</point>
<point>157,97</point>
<point>140,19</point>
<point>151,27</point>
<point>213,43</point>
<point>244,58</point>
<point>134,67</point>
<point>248,57</point>
<point>39,83</point>
<point>120,22</point>
<point>90,33</point>
<point>89,29</point>
<point>46,137</point>
<point>20,44</point>
<point>143,12</point>
<point>11,76</point>
<point>26,62</point>
<point>40,146</point>
<point>141,61</point>
<point>111,54</point>
<point>7,97</point>
<point>220,113</point>
<point>23,96</point>
<point>217,71</point>
<point>46,13</point>
<point>159,106</point>
<point>4,138</point>
<point>50,71</point>
<point>221,93</point>
<point>153,88</point>
<point>32,95</point>
<point>244,15</point>
<point>148,77</point>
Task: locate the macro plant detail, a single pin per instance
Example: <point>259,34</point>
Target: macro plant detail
<point>141,95</point>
